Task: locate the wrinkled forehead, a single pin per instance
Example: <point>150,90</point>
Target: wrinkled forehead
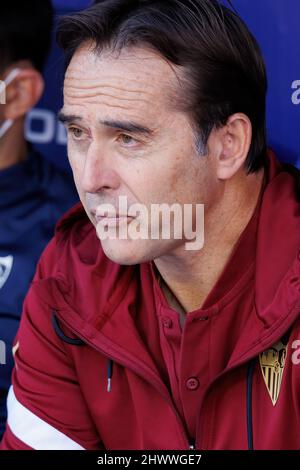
<point>134,77</point>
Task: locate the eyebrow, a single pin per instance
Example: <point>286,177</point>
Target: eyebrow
<point>127,126</point>
<point>67,118</point>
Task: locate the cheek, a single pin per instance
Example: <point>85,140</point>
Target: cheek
<point>76,162</point>
<point>77,166</point>
<point>181,181</point>
<point>191,182</point>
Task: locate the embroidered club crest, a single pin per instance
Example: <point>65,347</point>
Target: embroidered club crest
<point>272,364</point>
<point>6,263</point>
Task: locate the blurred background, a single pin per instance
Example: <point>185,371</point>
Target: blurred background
<point>275,24</point>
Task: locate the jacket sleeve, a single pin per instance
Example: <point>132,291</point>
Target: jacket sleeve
<point>46,409</point>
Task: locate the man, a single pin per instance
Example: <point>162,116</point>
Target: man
<point>33,192</point>
<point>140,342</point>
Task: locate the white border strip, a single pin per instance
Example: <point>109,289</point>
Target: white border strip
<point>33,431</point>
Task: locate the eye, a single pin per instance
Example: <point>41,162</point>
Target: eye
<point>127,140</point>
<point>75,132</point>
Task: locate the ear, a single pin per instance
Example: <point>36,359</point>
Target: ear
<point>231,144</point>
<point>23,93</point>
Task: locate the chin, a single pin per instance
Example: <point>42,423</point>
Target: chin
<point>126,252</point>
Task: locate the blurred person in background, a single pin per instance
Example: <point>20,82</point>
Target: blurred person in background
<point>33,192</point>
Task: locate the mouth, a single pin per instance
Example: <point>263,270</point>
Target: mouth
<point>111,220</point>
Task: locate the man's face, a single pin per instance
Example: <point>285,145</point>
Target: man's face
<point>126,139</point>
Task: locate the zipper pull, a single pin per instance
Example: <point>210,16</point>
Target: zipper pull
<point>109,374</point>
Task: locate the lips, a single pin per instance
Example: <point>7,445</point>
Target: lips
<point>111,220</point>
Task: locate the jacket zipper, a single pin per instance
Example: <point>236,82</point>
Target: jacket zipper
<point>157,383</point>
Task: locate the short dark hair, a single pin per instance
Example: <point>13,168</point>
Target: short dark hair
<point>25,31</point>
<point>224,69</point>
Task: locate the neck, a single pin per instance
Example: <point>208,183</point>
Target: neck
<point>13,146</point>
<point>189,276</point>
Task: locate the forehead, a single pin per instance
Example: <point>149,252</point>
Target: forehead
<point>135,79</point>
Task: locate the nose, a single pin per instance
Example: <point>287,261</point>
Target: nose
<point>97,173</point>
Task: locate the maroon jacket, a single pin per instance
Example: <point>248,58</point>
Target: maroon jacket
<point>90,362</point>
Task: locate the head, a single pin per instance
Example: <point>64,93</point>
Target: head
<point>164,102</point>
<point>25,37</point>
